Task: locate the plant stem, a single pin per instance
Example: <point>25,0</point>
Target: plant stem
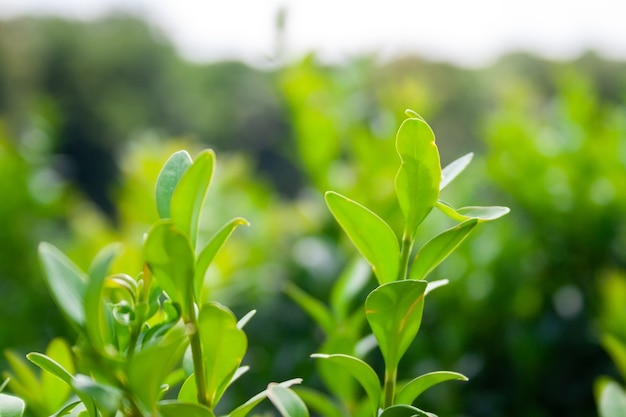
<point>390,386</point>
<point>196,353</point>
<point>405,253</point>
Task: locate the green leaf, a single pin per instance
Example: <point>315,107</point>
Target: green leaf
<point>286,401</point>
<point>617,351</point>
<point>106,396</point>
<point>414,388</point>
<point>403,410</point>
<point>244,409</point>
<point>394,312</point>
<point>483,214</point>
<point>319,402</point>
<point>362,372</point>
<point>245,319</point>
<point>148,369</point>
<point>11,406</point>
<point>313,307</point>
<point>419,176</point>
<point>369,233</point>
<point>66,282</point>
<point>212,248</point>
<point>452,170</point>
<point>169,256</point>
<point>54,391</point>
<point>177,409</point>
<point>223,348</point>
<point>438,248</point>
<point>96,314</point>
<point>23,382</point>
<point>168,178</point>
<point>433,285</point>
<point>336,379</point>
<point>188,197</point>
<point>352,280</point>
<point>611,400</point>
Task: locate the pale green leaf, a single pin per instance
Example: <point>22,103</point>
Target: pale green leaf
<point>362,372</point>
<point>313,307</point>
<point>403,410</point>
<point>394,312</point>
<point>11,406</point>
<point>483,214</point>
<point>207,254</point>
<point>452,170</point>
<point>244,409</point>
<point>414,388</point>
<point>106,396</point>
<point>66,282</point>
<point>286,401</point>
<point>168,178</point>
<point>611,400</point>
<point>190,193</point>
<point>433,285</point>
<point>419,176</point>
<point>369,233</point>
<point>438,248</point>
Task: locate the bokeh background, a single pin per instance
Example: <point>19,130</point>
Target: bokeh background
<point>94,96</point>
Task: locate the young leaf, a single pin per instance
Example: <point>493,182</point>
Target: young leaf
<point>452,170</point>
<point>362,372</point>
<point>414,388</point>
<point>403,410</point>
<point>188,197</point>
<point>66,282</point>
<point>419,176</point>
<point>223,348</point>
<point>244,409</point>
<point>483,214</point>
<point>394,312</point>
<point>438,248</point>
<point>169,256</point>
<point>171,408</point>
<point>313,307</point>
<point>212,248</point>
<point>369,233</point>
<point>286,401</point>
<point>11,406</point>
<point>168,178</point>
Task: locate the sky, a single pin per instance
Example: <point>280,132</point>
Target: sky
<point>470,33</point>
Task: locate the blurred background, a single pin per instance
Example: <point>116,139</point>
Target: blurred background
<point>301,98</point>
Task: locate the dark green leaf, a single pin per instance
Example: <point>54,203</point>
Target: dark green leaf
<point>394,312</point>
<point>168,178</point>
<point>188,198</point>
<point>313,307</point>
<point>452,170</point>
<point>11,406</point>
<point>415,387</point>
<point>438,248</point>
<point>66,282</point>
<point>178,409</point>
<point>369,233</point>
<point>286,401</point>
<point>483,214</point>
<point>419,176</point>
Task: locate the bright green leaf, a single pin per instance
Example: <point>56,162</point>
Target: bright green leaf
<point>414,388</point>
<point>611,400</point>
<point>177,409</point>
<point>168,178</point>
<point>394,312</point>
<point>244,409</point>
<point>66,282</point>
<point>483,214</point>
<point>190,193</point>
<point>313,307</point>
<point>438,248</point>
<point>362,372</point>
<point>403,410</point>
<point>223,348</point>
<point>212,248</point>
<point>369,233</point>
<point>170,257</point>
<point>54,391</point>
<point>419,176</point>
<point>11,406</point>
<point>452,170</point>
<point>286,401</point>
<point>23,380</point>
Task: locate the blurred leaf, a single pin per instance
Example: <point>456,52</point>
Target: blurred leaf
<point>617,351</point>
<point>245,319</point>
<point>403,410</point>
<point>23,380</point>
<point>54,391</point>
<point>362,372</point>
<point>188,197</point>
<point>438,248</point>
<point>419,176</point>
<point>106,396</point>
<point>177,409</point>
<point>319,402</point>
<point>452,170</point>
<point>244,409</point>
<point>352,280</point>
<point>286,401</point>
<point>433,285</point>
<point>369,233</point>
<point>223,348</point>
<point>414,388</point>
<point>11,406</point>
<point>611,399</point>
<point>394,312</point>
<point>336,379</point>
<point>66,282</point>
<point>472,212</point>
<point>168,178</point>
<point>313,307</point>
<point>211,249</point>
<point>170,258</point>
